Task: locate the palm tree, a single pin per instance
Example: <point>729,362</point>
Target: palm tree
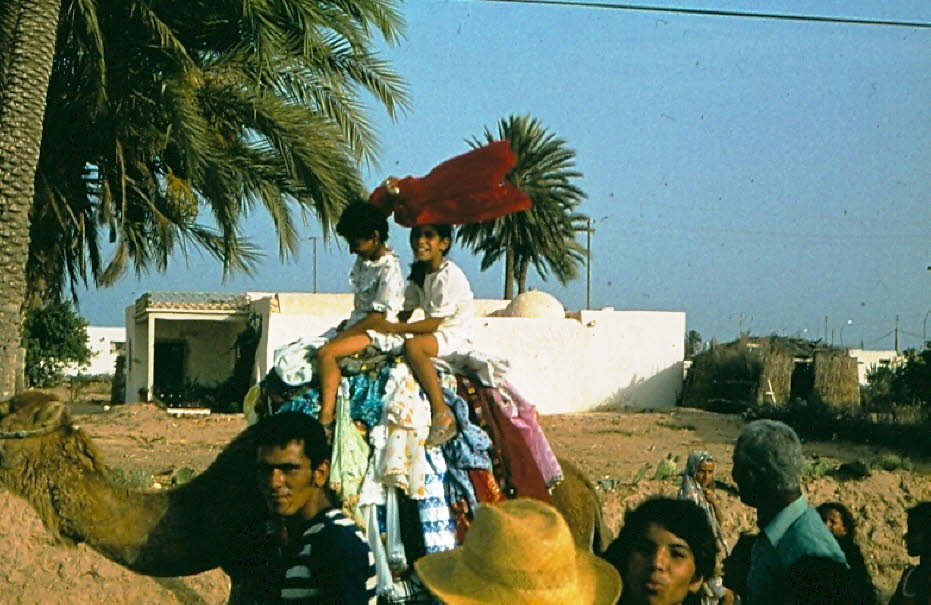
<point>162,112</point>
<point>191,116</point>
<point>27,44</point>
<point>543,236</point>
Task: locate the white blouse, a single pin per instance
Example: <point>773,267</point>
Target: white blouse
<point>446,293</point>
<point>377,286</point>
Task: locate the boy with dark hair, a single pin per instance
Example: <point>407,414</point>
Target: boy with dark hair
<point>320,555</point>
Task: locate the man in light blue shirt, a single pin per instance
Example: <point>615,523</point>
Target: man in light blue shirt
<point>795,558</point>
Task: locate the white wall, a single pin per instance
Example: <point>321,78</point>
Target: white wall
<point>600,358</point>
<point>103,342</point>
<point>604,358</point>
<point>867,360</point>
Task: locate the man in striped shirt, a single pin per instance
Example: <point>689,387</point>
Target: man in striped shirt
<point>320,555</point>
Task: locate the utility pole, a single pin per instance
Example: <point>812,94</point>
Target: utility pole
<point>825,329</point>
<point>896,333</point>
<point>313,239</point>
<point>588,266</point>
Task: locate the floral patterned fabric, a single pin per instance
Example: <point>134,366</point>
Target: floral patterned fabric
<point>407,421</point>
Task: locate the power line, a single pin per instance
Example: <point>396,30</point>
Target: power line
<point>721,13</point>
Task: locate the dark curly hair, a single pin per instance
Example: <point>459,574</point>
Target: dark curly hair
<point>683,518</point>
<point>846,516</point>
<point>361,220</point>
<point>281,429</point>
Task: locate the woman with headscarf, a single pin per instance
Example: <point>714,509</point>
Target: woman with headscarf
<point>698,487</point>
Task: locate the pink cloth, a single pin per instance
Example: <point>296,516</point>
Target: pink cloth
<point>524,416</point>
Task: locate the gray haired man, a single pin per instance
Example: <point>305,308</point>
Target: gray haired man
<point>793,542</point>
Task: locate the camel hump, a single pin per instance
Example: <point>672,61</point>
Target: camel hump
<point>33,409</point>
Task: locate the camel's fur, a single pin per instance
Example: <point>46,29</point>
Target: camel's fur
<point>214,520</point>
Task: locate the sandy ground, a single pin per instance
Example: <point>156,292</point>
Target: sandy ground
<point>613,447</point>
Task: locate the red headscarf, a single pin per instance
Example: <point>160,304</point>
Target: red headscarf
<point>469,188</point>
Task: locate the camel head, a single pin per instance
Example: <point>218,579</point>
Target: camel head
<point>38,445</point>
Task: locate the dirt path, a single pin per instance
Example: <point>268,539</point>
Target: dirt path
<point>145,443</point>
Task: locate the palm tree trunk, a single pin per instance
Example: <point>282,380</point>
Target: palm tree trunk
<point>508,274</point>
<point>522,268</point>
<point>29,30</point>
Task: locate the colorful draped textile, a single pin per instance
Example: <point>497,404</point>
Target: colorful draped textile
<point>467,450</point>
<point>524,417</point>
<point>365,394</point>
<point>407,418</point>
<point>350,456</point>
<point>439,528</point>
<point>515,469</point>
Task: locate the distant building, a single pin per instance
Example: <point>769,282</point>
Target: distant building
<point>869,360</point>
<point>105,343</point>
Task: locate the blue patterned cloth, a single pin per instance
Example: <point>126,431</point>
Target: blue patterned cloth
<point>365,394</point>
<point>365,397</point>
<point>436,520</point>
<point>467,450</point>
<point>307,403</point>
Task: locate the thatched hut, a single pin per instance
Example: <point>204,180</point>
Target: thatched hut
<point>835,381</point>
<point>772,371</point>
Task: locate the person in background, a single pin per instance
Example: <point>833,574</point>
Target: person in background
<point>698,487</point>
<point>664,552</point>
<point>792,538</point>
<point>914,586</point>
<point>519,552</point>
<point>317,555</point>
<point>839,520</point>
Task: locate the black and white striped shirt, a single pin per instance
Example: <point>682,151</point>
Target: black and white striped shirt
<point>329,563</point>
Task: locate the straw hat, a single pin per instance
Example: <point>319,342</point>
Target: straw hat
<point>519,552</point>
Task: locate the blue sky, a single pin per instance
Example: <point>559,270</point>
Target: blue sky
<point>749,172</point>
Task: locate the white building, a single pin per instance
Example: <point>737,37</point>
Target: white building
<point>869,360</point>
<point>105,343</point>
<point>562,362</point>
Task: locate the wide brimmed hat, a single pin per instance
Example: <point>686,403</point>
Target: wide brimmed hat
<point>519,552</point>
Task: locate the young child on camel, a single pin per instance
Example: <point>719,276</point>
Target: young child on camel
<point>469,188</point>
<point>441,289</point>
<point>378,289</point>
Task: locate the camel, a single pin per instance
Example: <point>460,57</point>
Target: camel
<point>215,520</point>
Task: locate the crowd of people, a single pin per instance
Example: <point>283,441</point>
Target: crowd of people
<point>669,551</point>
<point>486,531</point>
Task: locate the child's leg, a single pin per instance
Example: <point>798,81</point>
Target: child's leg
<point>327,357</point>
<point>418,350</point>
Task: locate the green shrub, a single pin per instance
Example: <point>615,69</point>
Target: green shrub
<point>135,479</point>
<point>182,475</point>
<point>666,468</point>
<point>891,462</point>
<point>53,336</point>
<point>816,467</point>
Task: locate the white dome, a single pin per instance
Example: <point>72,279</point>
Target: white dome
<point>535,304</point>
